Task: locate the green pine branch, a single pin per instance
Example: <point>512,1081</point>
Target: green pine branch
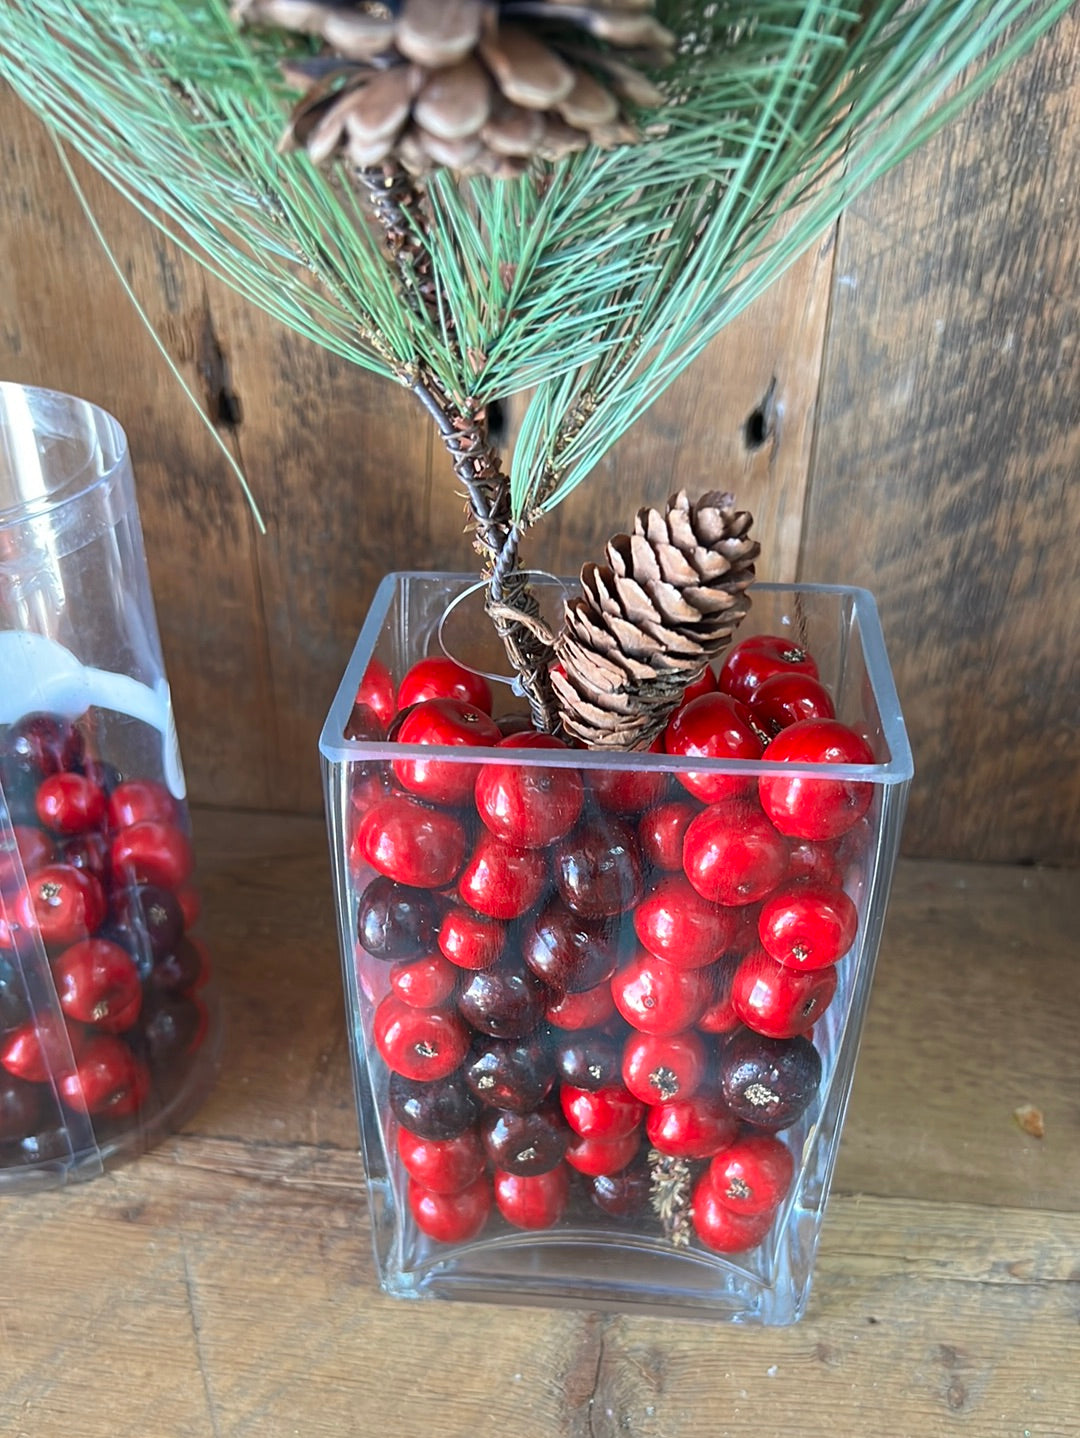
<point>591,284</point>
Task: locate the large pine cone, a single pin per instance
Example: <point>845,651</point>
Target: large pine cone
<point>477,86</point>
<point>663,607</point>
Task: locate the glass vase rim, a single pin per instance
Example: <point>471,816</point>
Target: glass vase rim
<point>98,463</point>
<point>897,768</point>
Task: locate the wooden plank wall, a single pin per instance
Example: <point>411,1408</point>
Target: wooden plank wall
<point>922,437</point>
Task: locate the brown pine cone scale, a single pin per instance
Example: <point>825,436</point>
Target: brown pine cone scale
<point>648,621</point>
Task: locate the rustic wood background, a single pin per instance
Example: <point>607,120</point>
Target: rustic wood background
<point>901,411</point>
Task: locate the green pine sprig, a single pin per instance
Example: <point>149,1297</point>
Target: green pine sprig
<point>589,285</point>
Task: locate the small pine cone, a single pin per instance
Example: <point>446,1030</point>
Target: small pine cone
<point>649,621</point>
<point>476,86</point>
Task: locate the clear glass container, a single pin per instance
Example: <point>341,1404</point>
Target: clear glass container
<point>573,1085</point>
<point>108,1028</point>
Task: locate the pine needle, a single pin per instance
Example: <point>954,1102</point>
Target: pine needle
<point>125,285</point>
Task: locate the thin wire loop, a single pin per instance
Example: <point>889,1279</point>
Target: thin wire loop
<point>511,679</point>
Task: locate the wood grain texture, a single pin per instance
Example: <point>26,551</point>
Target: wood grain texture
<point>947,455</point>
<point>223,1286</point>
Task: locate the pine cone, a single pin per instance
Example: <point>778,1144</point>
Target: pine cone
<point>662,608</point>
<point>477,86</point>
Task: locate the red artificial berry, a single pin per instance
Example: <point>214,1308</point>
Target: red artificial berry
<point>363,726</point>
<point>696,1127</point>
<point>108,1079</point>
<point>424,983</point>
<point>443,1165</point>
<point>676,924</point>
<point>376,690</point>
<point>758,658</point>
<point>720,1017</point>
<point>533,1202</point>
<point>40,1049</point>
<point>451,724</point>
<point>784,699</point>
<point>704,684</point>
<point>661,831</point>
<point>70,804</point>
<point>21,853</point>
<point>713,727</point>
<point>97,983</point>
<point>529,805</point>
<point>141,801</point>
<point>625,790</point>
<point>753,1175</point>
<point>596,1156</point>
<point>153,853</point>
<point>721,1229</point>
<point>808,860</point>
<point>502,880</point>
<point>777,1001</point>
<point>190,901</point>
<point>440,678</point>
<point>472,941</point>
<point>410,843</point>
<point>608,1113</point>
<point>419,1043</point>
<point>808,925</point>
<point>733,855</point>
<point>658,998</point>
<point>65,904</point>
<point>451,1217</point>
<point>586,1010</point>
<point>657,1068</point>
<point>807,807</point>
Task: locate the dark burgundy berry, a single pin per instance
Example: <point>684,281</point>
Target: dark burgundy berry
<point>152,915</point>
<point>510,1074</point>
<point>443,1109</point>
<point>89,852</point>
<point>526,1143</point>
<point>105,775</point>
<point>40,745</point>
<point>597,868</point>
<point>20,1108</point>
<point>170,1027</point>
<point>394,921</point>
<point>589,1060</point>
<point>46,1146</point>
<point>769,1082</point>
<point>14,1009</point>
<point>506,1001</point>
<point>569,952</point>
<point>178,972</point>
<point>624,1194</point>
<point>18,792</point>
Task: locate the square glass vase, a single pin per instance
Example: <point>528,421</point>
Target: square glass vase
<point>580,1078</point>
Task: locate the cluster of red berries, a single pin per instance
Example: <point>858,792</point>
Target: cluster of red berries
<point>588,962</point>
<point>98,867</point>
